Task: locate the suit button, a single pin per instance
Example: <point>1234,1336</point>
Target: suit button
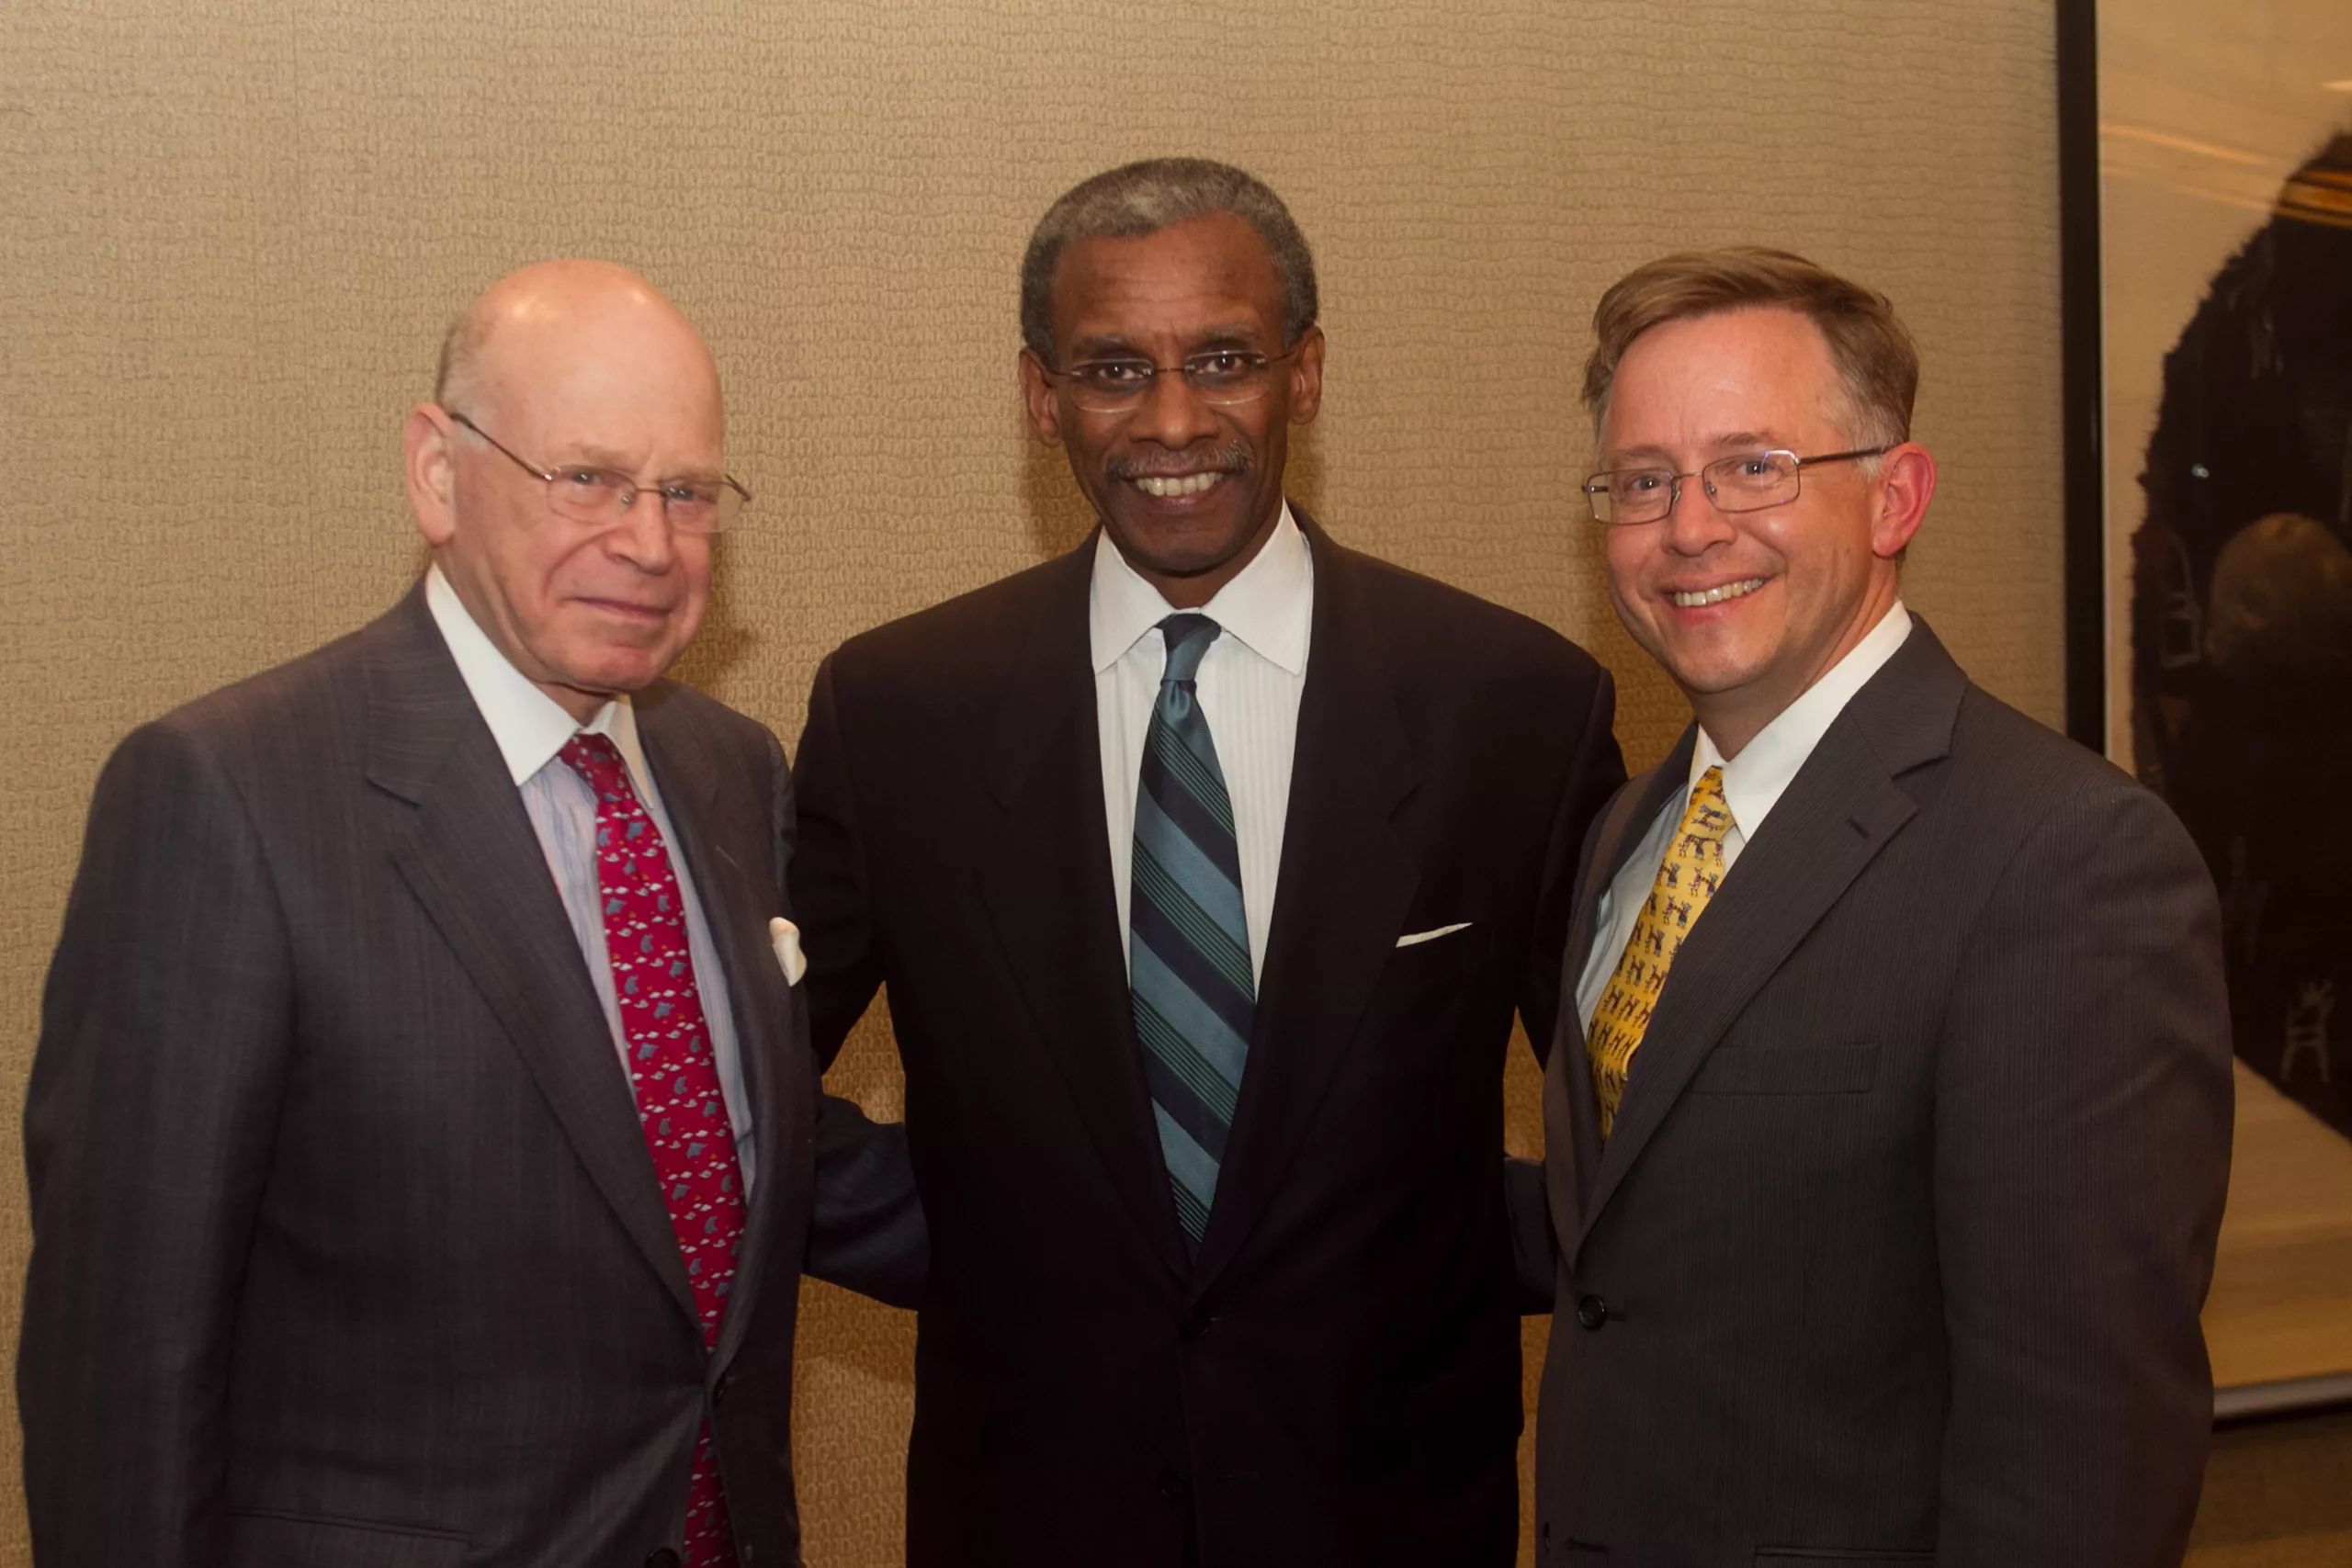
<point>725,1386</point>
<point>1592,1312</point>
<point>1195,1324</point>
<point>1173,1487</point>
<point>665,1558</point>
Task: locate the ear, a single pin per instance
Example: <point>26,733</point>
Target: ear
<point>430,469</point>
<point>1907,482</point>
<point>1306,378</point>
<point>1038,393</point>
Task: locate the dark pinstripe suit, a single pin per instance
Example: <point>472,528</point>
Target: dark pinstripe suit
<point>1896,1252</point>
<point>347,1247</point>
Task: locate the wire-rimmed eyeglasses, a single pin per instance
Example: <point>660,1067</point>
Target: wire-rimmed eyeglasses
<point>602,496</point>
<point>1219,376</point>
<point>1749,481</point>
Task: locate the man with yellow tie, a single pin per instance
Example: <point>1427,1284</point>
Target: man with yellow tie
<point>1888,1118</point>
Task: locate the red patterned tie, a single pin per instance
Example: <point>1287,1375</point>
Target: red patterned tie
<point>675,1079</point>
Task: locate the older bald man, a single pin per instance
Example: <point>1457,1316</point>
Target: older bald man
<point>423,1138</point>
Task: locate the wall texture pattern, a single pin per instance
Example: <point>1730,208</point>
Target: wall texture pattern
<point>231,233</point>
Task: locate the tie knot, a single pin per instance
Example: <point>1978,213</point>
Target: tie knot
<point>1188,642</point>
<point>597,760</point>
<point>1707,817</point>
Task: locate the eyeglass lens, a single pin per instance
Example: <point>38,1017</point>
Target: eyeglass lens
<point>1745,483</point>
<point>1110,386</point>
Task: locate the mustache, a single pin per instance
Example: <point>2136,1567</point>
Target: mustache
<point>1230,460</point>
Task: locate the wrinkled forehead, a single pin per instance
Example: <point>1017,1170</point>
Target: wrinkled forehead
<point>617,389</point>
<point>1205,279</point>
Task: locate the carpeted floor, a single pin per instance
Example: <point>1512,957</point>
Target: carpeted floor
<point>2278,1494</point>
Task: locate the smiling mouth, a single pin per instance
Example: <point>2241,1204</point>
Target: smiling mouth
<point>1163,485</point>
<point>1717,594</point>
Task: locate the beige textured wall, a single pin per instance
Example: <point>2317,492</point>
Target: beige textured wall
<point>230,235</point>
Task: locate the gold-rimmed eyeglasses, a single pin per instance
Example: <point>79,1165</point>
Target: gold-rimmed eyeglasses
<point>602,496</point>
<point>1219,376</point>
<point>1749,481</point>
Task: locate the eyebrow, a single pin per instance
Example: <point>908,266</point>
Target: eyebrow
<point>1723,447</point>
<point>1227,334</point>
<point>593,457</point>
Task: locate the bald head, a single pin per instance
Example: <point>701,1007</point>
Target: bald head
<point>521,318</point>
<point>570,367</point>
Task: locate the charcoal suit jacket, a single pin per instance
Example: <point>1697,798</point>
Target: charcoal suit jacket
<point>1895,1251</point>
<point>348,1249</point>
<point>1335,1377</point>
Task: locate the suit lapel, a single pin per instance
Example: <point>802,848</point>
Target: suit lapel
<point>474,862</point>
<point>1342,897</point>
<point>1046,879</point>
<point>737,899</point>
<point>1569,1104</point>
<point>1843,808</point>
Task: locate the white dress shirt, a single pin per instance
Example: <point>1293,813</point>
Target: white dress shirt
<point>1249,686</point>
<point>1753,784</point>
<point>531,728</point>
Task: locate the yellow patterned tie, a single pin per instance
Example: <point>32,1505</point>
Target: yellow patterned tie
<point>1687,879</point>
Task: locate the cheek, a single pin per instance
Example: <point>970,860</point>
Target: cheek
<point>1626,562</point>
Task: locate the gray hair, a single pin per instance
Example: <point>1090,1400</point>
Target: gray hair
<point>455,381</point>
<point>1136,199</point>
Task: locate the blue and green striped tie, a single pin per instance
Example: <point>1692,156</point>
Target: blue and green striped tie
<point>1188,950</point>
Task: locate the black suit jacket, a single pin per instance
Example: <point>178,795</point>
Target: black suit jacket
<point>349,1248</point>
<point>1335,1377</point>
<point>1896,1252</point>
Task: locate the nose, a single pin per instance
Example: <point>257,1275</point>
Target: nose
<point>642,535</point>
<point>1693,523</point>
<point>1171,412</point>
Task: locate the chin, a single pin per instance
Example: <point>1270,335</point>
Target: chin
<point>626,674</point>
<point>1181,550</point>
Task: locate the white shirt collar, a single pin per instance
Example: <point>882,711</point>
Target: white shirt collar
<point>529,726</point>
<point>1269,605</point>
<point>1756,779</point>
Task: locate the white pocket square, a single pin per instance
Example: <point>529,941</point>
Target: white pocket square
<point>1417,938</point>
<point>784,937</point>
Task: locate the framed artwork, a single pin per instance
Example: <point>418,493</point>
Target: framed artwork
<point>2207,226</point>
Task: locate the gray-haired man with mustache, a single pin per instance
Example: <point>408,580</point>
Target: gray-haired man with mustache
<point>1207,867</point>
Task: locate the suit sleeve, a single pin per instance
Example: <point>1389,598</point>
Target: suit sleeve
<point>866,1231</point>
<point>2082,1147</point>
<point>156,1085</point>
<point>1598,770</point>
<point>829,882</point>
<point>1593,781</point>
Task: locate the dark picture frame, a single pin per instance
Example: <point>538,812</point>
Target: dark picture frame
<point>2163,583</point>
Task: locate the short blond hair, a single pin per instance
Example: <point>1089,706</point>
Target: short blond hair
<point>1877,363</point>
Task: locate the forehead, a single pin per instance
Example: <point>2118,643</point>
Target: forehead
<point>621,384</point>
<point>1720,377</point>
<point>1206,275</point>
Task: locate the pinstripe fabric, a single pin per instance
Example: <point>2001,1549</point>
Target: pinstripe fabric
<point>1187,952</point>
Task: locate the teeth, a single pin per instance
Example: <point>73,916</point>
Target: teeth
<point>1718,594</point>
<point>1188,484</point>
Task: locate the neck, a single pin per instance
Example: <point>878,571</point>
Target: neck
<point>581,705</point>
<point>1190,591</point>
<point>1734,717</point>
